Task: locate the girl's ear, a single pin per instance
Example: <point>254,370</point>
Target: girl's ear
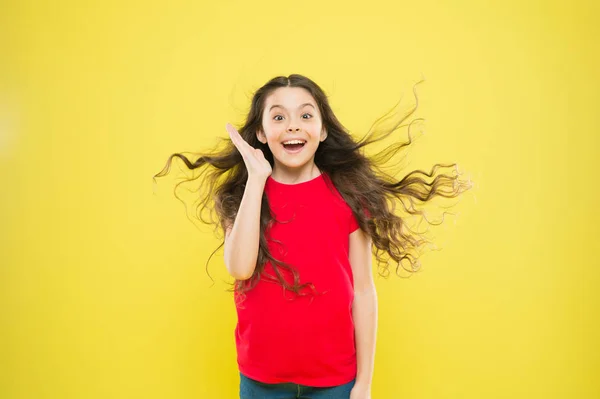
<point>323,134</point>
<point>260,135</point>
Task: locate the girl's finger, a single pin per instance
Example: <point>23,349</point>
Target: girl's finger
<point>233,134</point>
<point>231,129</point>
<point>241,144</point>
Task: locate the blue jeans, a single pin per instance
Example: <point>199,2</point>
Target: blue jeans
<point>252,389</point>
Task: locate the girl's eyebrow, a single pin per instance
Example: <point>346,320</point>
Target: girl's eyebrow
<point>281,106</point>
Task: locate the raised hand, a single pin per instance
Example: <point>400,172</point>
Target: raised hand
<point>256,163</point>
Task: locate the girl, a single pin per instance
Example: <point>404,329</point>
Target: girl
<point>300,207</point>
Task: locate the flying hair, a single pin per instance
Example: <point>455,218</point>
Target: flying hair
<point>380,201</point>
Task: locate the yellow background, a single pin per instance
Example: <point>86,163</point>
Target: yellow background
<point>103,287</point>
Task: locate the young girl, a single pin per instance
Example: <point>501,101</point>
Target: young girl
<point>300,207</point>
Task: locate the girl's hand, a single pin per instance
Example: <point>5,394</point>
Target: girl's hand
<point>255,160</point>
<point>360,392</point>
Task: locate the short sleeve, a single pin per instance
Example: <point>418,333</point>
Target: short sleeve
<point>354,223</point>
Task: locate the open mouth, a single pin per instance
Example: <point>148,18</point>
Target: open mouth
<point>293,147</point>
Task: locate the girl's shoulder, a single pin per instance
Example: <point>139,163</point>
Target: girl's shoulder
<point>335,194</point>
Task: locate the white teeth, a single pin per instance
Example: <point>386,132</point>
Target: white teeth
<point>294,142</point>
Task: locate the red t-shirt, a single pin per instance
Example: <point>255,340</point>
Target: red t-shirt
<point>305,340</point>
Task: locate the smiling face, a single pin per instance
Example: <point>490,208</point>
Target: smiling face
<point>290,115</point>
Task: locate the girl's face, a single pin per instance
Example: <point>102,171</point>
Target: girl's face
<point>291,113</point>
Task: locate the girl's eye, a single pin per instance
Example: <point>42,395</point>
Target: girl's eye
<point>302,115</point>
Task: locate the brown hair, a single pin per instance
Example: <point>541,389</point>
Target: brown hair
<point>360,180</point>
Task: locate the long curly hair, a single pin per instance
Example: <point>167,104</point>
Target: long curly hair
<point>372,193</point>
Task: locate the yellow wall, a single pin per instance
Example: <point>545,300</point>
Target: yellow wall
<point>103,288</point>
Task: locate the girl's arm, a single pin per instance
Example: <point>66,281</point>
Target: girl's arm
<point>241,239</point>
<point>364,308</point>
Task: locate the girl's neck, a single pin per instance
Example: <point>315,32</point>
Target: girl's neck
<point>286,175</point>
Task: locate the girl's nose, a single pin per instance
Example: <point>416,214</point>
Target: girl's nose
<point>291,129</point>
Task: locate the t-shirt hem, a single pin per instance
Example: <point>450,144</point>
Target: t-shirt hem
<point>317,383</point>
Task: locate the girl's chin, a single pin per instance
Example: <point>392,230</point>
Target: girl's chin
<point>292,162</point>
